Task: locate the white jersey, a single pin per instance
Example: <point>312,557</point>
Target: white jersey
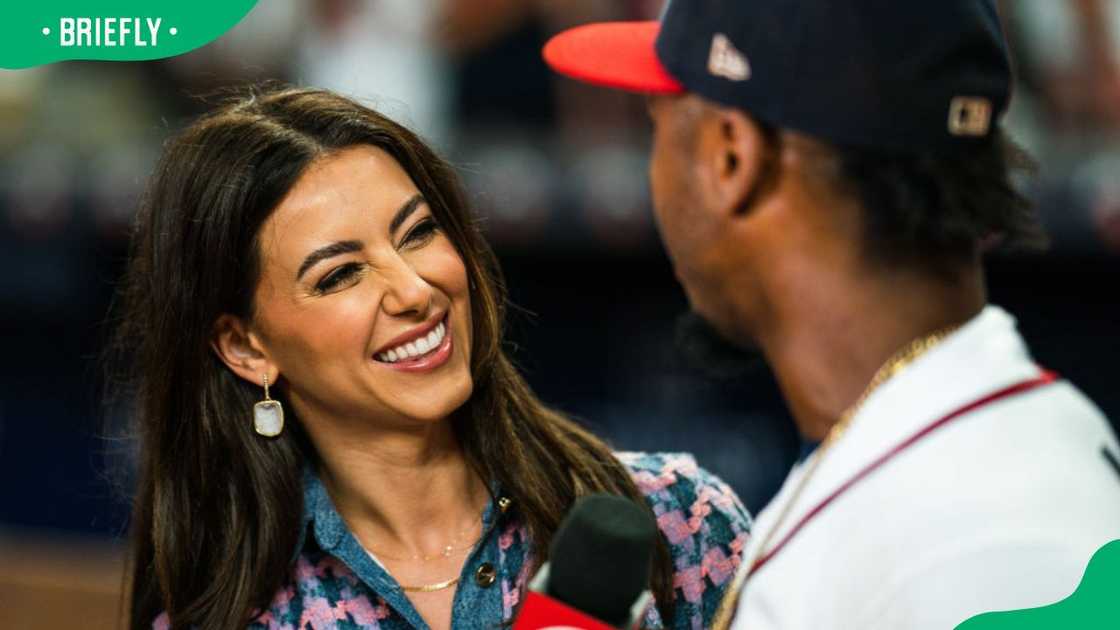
<point>1000,508</point>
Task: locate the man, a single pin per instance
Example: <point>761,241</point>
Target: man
<point>826,177</point>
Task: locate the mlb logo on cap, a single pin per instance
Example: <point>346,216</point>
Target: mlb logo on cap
<point>881,74</point>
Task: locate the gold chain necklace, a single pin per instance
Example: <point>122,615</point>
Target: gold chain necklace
<point>503,507</point>
<point>443,553</point>
<point>899,361</point>
<point>430,588</point>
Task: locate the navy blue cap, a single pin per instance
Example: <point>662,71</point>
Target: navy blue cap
<point>887,74</point>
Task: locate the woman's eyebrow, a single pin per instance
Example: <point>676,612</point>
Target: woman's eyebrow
<point>347,247</point>
<point>328,251</point>
<point>406,211</point>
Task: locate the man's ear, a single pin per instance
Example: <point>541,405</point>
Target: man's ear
<point>241,350</point>
<point>737,159</point>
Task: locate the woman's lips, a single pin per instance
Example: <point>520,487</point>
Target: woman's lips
<point>411,336</point>
<point>427,361</point>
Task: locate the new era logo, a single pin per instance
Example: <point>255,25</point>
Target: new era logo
<point>726,61</point>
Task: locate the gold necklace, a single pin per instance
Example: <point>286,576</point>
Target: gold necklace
<point>443,553</point>
<point>503,507</point>
<point>895,364</point>
<point>419,588</point>
<point>426,588</point>
<point>430,588</point>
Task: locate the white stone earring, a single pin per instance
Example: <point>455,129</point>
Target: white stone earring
<point>268,415</point>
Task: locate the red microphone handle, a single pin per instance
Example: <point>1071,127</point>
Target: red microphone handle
<point>540,612</point>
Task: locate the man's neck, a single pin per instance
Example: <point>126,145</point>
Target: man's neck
<point>831,341</point>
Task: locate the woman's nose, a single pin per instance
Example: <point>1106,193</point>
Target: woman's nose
<point>407,293</point>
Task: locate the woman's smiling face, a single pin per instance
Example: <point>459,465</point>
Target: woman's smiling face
<point>363,306</point>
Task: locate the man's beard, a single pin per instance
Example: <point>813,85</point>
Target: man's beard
<point>705,350</point>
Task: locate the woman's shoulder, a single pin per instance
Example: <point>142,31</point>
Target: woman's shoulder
<point>674,481</point>
<point>704,523</point>
<point>318,591</point>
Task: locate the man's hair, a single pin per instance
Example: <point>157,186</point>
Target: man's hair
<point>938,211</point>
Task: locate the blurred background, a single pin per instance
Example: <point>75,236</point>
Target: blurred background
<point>558,172</point>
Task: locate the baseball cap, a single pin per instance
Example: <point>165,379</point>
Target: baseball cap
<point>886,74</point>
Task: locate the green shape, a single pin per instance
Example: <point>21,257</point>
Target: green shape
<point>36,33</point>
<point>1095,604</point>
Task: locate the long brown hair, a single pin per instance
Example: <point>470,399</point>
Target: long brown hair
<point>217,509</point>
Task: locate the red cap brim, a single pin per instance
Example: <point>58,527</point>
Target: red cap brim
<point>613,54</point>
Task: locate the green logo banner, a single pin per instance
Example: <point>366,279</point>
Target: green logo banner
<point>1095,604</point>
<point>45,31</point>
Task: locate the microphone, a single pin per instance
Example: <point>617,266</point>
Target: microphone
<point>599,572</point>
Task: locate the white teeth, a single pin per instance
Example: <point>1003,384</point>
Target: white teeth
<point>417,347</point>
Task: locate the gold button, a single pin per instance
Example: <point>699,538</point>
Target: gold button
<point>485,575</point>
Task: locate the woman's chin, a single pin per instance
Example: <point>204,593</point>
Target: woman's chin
<point>437,406</point>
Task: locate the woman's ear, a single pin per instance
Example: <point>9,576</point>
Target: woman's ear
<point>240,349</point>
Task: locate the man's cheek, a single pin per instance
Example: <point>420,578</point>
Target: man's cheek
<point>674,238</point>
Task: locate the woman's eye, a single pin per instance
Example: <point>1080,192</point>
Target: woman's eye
<point>421,233</point>
<point>337,277</point>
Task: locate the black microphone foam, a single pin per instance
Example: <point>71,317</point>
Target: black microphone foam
<point>601,557</point>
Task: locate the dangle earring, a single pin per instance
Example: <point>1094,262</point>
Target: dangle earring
<point>268,415</point>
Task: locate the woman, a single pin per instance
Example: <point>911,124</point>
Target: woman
<point>330,432</point>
